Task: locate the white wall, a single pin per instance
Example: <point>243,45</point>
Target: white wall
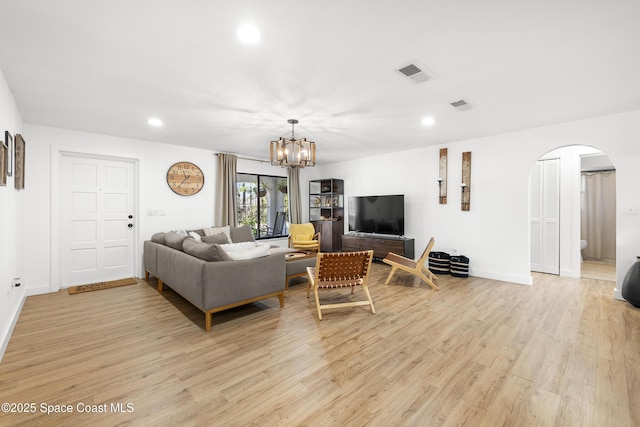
<point>42,198</point>
<point>11,226</point>
<point>596,161</point>
<point>495,233</point>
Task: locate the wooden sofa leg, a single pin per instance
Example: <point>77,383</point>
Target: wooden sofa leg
<point>207,320</point>
<point>160,285</point>
<point>281,298</point>
<point>146,276</point>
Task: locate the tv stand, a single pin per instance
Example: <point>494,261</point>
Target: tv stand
<point>376,235</point>
<point>381,244</point>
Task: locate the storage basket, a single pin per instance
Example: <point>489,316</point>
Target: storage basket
<point>459,266</point>
<point>439,262</point>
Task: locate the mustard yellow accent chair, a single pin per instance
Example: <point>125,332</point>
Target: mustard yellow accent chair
<point>303,237</point>
<point>335,270</point>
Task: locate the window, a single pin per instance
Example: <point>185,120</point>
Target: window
<point>263,203</point>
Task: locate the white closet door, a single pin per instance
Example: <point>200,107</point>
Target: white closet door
<point>545,216</point>
<point>536,218</point>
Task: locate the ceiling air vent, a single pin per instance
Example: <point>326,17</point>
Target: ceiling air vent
<point>414,72</point>
<point>461,105</point>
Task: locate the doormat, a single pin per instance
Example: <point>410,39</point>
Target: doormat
<point>101,285</point>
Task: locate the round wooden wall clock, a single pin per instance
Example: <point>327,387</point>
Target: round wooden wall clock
<point>185,178</point>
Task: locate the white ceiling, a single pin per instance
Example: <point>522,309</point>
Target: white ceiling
<point>106,66</point>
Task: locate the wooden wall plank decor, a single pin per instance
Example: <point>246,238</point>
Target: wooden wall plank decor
<point>442,177</point>
<point>19,162</point>
<point>466,181</point>
<point>4,163</point>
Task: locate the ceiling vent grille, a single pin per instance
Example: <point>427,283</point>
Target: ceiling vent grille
<point>461,105</point>
<point>414,72</point>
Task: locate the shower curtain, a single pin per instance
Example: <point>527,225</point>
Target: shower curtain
<point>598,215</point>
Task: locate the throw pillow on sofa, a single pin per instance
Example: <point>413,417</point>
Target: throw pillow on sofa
<point>174,240</point>
<point>216,230</point>
<point>195,236</point>
<point>219,238</point>
<point>204,251</point>
<point>241,234</point>
<point>159,238</point>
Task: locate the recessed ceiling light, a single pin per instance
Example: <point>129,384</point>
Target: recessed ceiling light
<point>155,122</point>
<point>248,33</point>
<point>428,121</point>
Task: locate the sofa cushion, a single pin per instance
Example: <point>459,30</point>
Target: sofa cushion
<point>241,234</point>
<point>216,230</point>
<point>245,250</point>
<point>219,238</point>
<point>174,240</point>
<point>159,238</point>
<point>205,251</point>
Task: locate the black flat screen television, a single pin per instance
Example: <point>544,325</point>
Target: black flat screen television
<point>377,214</point>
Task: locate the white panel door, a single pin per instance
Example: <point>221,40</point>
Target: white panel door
<point>536,218</point>
<point>97,220</point>
<point>545,216</point>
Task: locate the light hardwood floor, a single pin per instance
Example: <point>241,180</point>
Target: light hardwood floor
<point>600,270</point>
<point>478,352</point>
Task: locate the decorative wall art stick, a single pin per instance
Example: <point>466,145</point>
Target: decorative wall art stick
<point>466,181</point>
<point>4,161</point>
<point>8,139</point>
<point>442,177</point>
<point>19,159</point>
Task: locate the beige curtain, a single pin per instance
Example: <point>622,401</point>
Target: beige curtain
<point>598,215</point>
<point>295,200</point>
<point>226,201</point>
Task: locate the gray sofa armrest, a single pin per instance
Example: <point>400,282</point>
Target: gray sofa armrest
<point>182,273</point>
<point>230,282</point>
<point>150,257</point>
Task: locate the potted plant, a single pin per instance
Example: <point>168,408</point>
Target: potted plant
<point>282,186</point>
<point>263,190</point>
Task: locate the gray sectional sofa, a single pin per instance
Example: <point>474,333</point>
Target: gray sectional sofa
<point>204,275</point>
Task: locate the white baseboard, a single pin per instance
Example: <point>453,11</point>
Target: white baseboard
<point>13,319</point>
<point>512,278</point>
<point>574,274</point>
<point>38,290</point>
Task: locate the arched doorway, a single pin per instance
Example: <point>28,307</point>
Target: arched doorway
<point>561,202</point>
